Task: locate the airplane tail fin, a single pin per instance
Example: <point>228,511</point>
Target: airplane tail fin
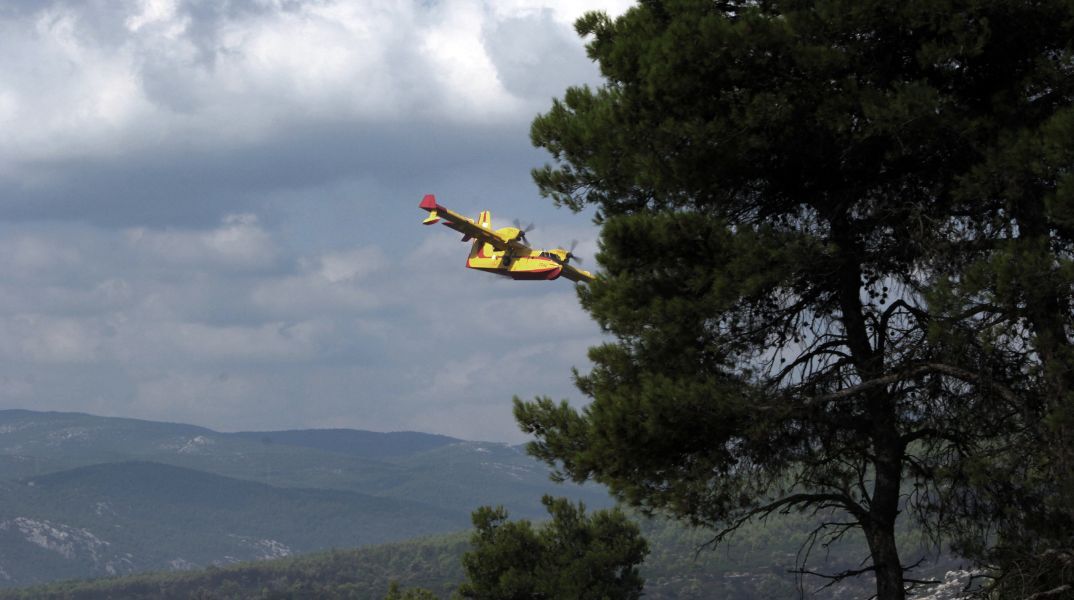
<point>429,203</point>
<point>481,249</point>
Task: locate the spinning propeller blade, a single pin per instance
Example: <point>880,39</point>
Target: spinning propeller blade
<point>569,255</point>
<point>518,226</point>
<point>522,231</point>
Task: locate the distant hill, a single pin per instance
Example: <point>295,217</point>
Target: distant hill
<point>121,518</point>
<point>82,495</point>
<point>368,444</point>
<point>449,473</point>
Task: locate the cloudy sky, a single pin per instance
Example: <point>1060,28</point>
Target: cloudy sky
<point>208,210</point>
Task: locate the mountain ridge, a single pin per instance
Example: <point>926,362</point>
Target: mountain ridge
<point>73,487</point>
<point>360,442</point>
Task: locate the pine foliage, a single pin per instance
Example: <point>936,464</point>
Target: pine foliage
<point>837,265</point>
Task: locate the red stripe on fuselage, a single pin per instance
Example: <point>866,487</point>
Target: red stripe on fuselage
<point>528,275</point>
<point>547,274</point>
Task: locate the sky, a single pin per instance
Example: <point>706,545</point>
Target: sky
<point>208,211</point>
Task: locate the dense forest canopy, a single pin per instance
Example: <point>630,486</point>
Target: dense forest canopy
<point>836,247</point>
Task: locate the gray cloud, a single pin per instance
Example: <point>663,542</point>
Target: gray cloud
<point>535,56</point>
<point>208,211</point>
<point>187,185</point>
<point>208,326</point>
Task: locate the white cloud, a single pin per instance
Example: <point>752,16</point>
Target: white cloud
<point>141,75</point>
<point>332,283</point>
<point>471,396</point>
<point>63,94</point>
<point>350,265</point>
<point>34,254</point>
<point>154,12</point>
<point>274,342</point>
<point>175,394</point>
<point>239,242</point>
<point>186,264</point>
<point>51,340</point>
<point>565,11</point>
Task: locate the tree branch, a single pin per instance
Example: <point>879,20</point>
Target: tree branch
<point>786,504</point>
<point>1052,593</point>
<point>956,372</point>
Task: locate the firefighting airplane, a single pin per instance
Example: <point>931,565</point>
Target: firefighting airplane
<point>504,251</point>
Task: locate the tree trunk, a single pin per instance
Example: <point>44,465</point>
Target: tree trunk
<point>884,508</point>
<point>879,525</point>
<point>889,582</point>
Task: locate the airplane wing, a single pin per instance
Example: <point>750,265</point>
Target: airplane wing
<point>575,274</point>
<point>463,225</point>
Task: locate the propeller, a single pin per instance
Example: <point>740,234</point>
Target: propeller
<point>570,254</point>
<point>522,231</point>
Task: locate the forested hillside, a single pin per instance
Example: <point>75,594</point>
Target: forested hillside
<point>85,496</point>
<point>756,565</point>
<point>358,574</point>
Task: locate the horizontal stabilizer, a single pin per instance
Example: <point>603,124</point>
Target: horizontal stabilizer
<point>432,219</point>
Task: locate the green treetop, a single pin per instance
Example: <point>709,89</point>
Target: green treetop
<point>572,557</point>
<point>836,254</point>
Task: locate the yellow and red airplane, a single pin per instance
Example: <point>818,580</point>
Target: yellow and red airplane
<point>504,251</point>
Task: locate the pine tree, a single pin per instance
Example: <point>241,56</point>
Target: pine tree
<point>572,557</point>
<point>836,246</point>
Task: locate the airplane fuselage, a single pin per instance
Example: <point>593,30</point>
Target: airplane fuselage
<point>516,263</point>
